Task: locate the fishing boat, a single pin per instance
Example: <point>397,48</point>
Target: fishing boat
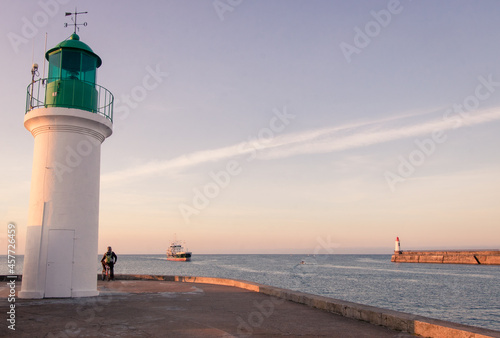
<point>176,252</point>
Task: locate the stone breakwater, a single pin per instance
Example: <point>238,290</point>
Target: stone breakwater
<point>484,257</point>
<point>395,320</point>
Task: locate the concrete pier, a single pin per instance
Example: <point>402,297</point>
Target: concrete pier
<point>483,257</point>
<point>144,305</point>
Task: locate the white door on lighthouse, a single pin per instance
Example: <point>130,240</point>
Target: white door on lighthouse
<point>59,263</point>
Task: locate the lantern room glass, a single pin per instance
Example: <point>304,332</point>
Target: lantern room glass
<point>72,65</point>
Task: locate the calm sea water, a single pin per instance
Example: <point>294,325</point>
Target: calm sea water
<point>466,294</point>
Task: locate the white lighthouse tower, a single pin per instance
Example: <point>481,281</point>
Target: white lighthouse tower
<point>397,246</point>
<point>69,116</point>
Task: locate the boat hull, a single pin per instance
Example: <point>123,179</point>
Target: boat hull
<point>179,256</point>
<point>179,259</point>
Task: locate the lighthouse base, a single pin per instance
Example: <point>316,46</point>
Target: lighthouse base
<point>40,294</point>
<point>30,294</point>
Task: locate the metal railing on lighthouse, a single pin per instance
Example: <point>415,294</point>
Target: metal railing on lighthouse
<point>68,93</point>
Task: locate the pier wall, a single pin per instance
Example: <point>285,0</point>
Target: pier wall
<point>489,257</point>
<point>395,320</point>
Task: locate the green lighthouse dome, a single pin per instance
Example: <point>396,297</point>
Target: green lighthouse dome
<point>74,42</point>
<point>72,75</point>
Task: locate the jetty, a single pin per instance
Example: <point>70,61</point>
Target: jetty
<point>182,306</point>
<point>482,257</point>
<point>478,257</point>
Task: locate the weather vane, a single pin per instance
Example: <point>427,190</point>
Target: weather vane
<point>74,20</point>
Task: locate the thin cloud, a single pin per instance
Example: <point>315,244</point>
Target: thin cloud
<point>323,140</point>
<point>361,137</point>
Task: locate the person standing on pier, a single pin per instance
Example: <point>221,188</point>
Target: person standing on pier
<point>110,259</point>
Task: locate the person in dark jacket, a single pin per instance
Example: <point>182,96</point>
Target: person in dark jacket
<point>109,258</point>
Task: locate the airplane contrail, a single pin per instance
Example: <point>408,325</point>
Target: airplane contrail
<point>322,140</point>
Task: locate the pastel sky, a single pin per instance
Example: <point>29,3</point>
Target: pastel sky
<point>277,126</point>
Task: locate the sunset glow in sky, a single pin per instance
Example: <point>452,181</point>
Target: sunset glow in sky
<point>277,126</point>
